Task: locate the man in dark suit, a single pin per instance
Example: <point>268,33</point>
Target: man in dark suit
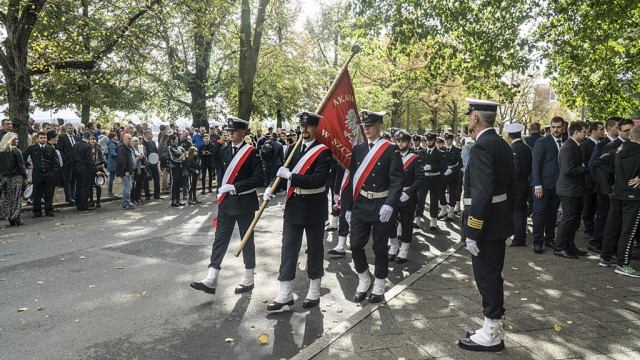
<point>45,165</point>
<point>487,221</point>
<point>412,183</point>
<point>305,212</point>
<point>433,165</point>
<point>589,204</point>
<point>595,243</point>
<point>151,148</point>
<point>570,189</point>
<point>450,177</point>
<point>370,198</point>
<point>544,175</point>
<point>531,140</point>
<point>65,145</point>
<point>272,158</point>
<point>84,171</point>
<point>237,203</point>
<point>522,157</point>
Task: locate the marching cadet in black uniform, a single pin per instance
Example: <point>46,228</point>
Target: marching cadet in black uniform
<point>44,160</point>
<point>487,221</point>
<point>372,194</point>
<point>334,193</point>
<point>237,203</point>
<point>416,143</point>
<point>423,142</point>
<point>433,165</point>
<point>450,178</point>
<point>305,212</point>
<point>412,183</point>
<point>522,158</point>
<point>343,226</point>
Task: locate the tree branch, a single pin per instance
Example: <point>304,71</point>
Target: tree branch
<point>70,64</point>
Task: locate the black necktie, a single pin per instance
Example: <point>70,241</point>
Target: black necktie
<point>370,146</point>
<point>304,148</point>
<point>234,151</point>
<point>428,152</point>
<point>73,142</point>
<point>559,143</point>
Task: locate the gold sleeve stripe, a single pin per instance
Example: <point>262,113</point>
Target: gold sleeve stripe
<point>475,223</point>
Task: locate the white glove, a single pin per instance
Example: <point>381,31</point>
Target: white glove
<point>404,197</point>
<point>472,246</point>
<point>427,167</point>
<point>508,241</point>
<point>347,217</point>
<point>267,195</point>
<point>284,173</point>
<point>336,197</point>
<point>226,188</point>
<point>385,213</point>
<point>448,172</point>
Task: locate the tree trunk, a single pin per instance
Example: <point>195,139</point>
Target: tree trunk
<point>85,112</point>
<point>249,53</point>
<point>455,118</point>
<point>19,97</point>
<point>199,111</point>
<point>279,119</point>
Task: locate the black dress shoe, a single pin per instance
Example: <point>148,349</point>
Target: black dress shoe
<point>11,223</point>
<point>468,344</point>
<point>594,248</point>
<point>55,210</point>
<point>470,333</point>
<point>537,248</point>
<point>373,298</point>
<point>49,214</point>
<point>392,256</point>
<point>202,192</point>
<point>400,260</point>
<point>565,254</point>
<point>181,204</point>
<point>516,244</point>
<point>275,306</point>
<point>37,215</point>
<point>175,205</point>
<point>202,287</point>
<point>550,244</point>
<point>578,252</point>
<point>310,303</point>
<point>158,197</point>
<point>336,253</point>
<point>360,296</point>
<point>243,288</point>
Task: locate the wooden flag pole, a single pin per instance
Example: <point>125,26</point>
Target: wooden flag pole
<point>354,50</point>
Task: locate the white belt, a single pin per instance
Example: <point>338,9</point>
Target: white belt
<point>374,195</point>
<point>452,166</point>
<point>432,174</point>
<point>242,193</point>
<point>309,191</point>
<point>494,200</point>
<point>406,188</point>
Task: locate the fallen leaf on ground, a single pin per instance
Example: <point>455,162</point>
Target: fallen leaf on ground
<point>92,286</point>
<point>119,267</point>
<point>510,327</point>
<point>81,257</point>
<point>599,324</point>
<point>40,307</point>
<point>569,322</point>
<point>524,299</point>
<point>557,327</point>
<point>264,338</point>
<point>264,301</point>
<point>405,268</point>
<point>517,292</point>
<point>229,340</point>
<point>3,260</point>
<point>40,282</point>
<point>614,300</point>
<point>514,268</point>
<point>22,309</point>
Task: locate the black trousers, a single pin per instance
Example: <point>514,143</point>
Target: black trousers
<point>432,186</point>
<point>155,176</point>
<point>589,209</point>
<point>193,185</point>
<point>360,231</point>
<point>612,229</point>
<point>405,220</point>
<point>136,189</point>
<point>224,230</point>
<point>520,211</point>
<point>630,231</point>
<point>84,179</point>
<point>334,211</point>
<point>450,184</point>
<point>176,183</point>
<point>487,271</point>
<point>207,167</point>
<point>545,214</point>
<point>569,223</point>
<point>98,194</point>
<point>343,225</point>
<point>291,243</point>
<point>600,220</point>
<point>43,185</point>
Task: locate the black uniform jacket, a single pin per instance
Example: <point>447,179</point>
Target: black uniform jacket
<point>308,209</point>
<point>522,158</point>
<point>413,180</point>
<point>586,148</point>
<point>83,157</point>
<point>250,176</point>
<point>489,173</point>
<point>452,160</point>
<point>435,159</point>
<point>572,171</point>
<point>44,161</point>
<point>387,174</point>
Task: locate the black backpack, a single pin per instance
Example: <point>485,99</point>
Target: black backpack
<point>267,151</point>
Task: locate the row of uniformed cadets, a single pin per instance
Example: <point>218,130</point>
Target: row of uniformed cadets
<point>384,186</point>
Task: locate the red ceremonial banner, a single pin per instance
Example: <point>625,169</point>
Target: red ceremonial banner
<point>339,128</point>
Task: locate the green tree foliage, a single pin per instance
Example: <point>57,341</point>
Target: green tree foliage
<point>593,53</point>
